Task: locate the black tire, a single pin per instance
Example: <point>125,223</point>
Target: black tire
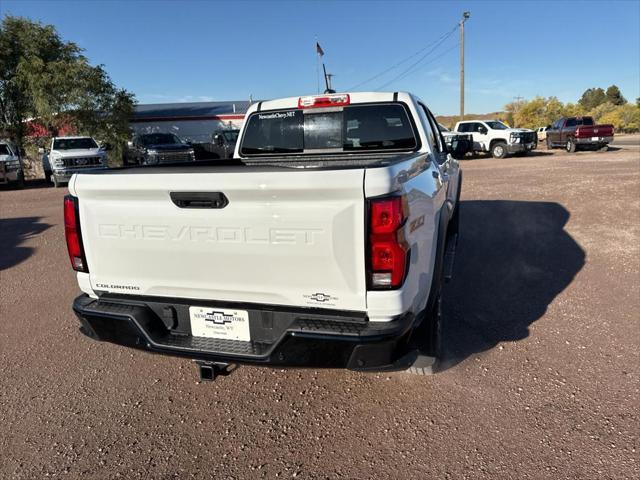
<point>570,146</point>
<point>499,150</point>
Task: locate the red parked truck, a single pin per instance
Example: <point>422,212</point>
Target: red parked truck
<point>577,132</point>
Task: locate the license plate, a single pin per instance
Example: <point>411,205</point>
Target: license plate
<point>211,322</point>
<point>595,139</point>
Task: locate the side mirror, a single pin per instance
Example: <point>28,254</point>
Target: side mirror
<point>549,127</point>
<point>106,146</point>
<point>41,150</point>
<point>482,130</point>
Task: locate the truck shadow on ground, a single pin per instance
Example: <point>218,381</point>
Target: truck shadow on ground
<point>513,259</point>
<point>13,232</point>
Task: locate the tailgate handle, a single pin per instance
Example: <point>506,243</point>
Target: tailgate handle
<point>199,199</point>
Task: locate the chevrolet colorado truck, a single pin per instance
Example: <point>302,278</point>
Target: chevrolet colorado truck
<point>321,244</point>
<point>11,170</point>
<point>68,155</point>
<point>499,140</point>
<point>577,132</point>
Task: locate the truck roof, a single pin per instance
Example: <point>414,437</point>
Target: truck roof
<point>355,97</point>
<point>71,137</point>
<point>481,120</point>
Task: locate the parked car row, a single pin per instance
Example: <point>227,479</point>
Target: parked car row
<point>498,139</point>
<point>68,155</point>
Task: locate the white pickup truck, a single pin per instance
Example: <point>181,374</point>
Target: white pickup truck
<point>69,155</point>
<point>498,139</point>
<point>321,244</point>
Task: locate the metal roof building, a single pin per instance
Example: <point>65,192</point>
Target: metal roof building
<point>194,121</point>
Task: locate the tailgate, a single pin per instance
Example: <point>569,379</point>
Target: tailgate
<point>584,131</point>
<point>285,237</point>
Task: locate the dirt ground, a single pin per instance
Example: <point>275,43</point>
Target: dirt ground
<point>542,377</point>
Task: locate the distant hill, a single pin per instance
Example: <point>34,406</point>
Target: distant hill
<point>450,120</point>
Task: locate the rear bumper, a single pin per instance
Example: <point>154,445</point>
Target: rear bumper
<point>280,337</point>
<point>593,140</point>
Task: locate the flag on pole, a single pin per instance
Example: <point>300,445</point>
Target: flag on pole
<point>319,50</point>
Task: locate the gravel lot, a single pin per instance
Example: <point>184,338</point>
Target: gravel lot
<point>542,379</point>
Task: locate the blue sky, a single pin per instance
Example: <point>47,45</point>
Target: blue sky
<point>167,51</point>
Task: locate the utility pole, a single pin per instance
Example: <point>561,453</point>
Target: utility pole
<point>465,17</point>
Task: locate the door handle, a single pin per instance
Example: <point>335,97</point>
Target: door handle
<point>199,199</point>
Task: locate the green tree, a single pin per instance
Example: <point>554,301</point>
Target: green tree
<point>602,110</point>
<point>44,77</point>
<point>614,96</point>
<point>535,113</point>
<point>625,118</point>
<point>592,97</point>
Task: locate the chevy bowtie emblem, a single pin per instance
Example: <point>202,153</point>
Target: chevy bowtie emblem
<point>320,297</point>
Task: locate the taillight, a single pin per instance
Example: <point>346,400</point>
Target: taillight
<point>387,248</point>
<point>72,234</point>
<point>337,100</point>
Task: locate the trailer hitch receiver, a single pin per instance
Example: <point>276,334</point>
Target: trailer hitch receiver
<point>210,370</point>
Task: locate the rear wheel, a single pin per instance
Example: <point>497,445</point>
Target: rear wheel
<point>499,150</point>
<point>570,146</point>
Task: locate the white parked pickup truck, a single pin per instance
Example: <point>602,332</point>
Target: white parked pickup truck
<point>321,244</point>
<point>68,155</point>
<point>495,137</point>
<point>11,169</point>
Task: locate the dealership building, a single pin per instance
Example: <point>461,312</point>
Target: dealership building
<point>194,122</point>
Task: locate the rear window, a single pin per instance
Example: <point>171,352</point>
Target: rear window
<point>573,122</point>
<point>352,129</point>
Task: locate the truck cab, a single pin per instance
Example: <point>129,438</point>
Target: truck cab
<point>498,139</point>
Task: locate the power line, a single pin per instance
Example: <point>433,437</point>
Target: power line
<point>440,39</point>
<point>412,69</point>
